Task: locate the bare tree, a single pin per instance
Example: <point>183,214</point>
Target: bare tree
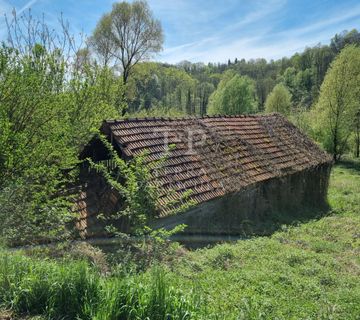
<point>127,35</point>
<point>25,33</point>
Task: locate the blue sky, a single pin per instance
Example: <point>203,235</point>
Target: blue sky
<point>214,31</point>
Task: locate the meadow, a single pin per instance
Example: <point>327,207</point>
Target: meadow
<point>306,270</point>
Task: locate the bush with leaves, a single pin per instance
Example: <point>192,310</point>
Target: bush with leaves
<point>47,111</point>
<point>135,182</point>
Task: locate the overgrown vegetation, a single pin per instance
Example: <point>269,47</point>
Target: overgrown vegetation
<point>307,271</point>
<point>47,110</point>
<point>73,290</point>
<point>136,186</point>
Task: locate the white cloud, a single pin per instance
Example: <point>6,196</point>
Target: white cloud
<point>261,41</point>
<point>214,45</point>
<point>28,5</point>
<point>334,20</point>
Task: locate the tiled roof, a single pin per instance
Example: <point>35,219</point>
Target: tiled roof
<point>216,155</point>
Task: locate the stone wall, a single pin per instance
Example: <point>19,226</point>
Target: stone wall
<point>259,208</point>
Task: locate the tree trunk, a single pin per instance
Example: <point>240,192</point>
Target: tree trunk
<point>335,146</point>
<point>126,107</point>
<point>357,133</point>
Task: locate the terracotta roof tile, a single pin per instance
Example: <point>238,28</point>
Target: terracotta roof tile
<point>218,154</point>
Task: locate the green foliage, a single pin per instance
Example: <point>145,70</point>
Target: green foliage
<point>131,179</point>
<point>302,119</point>
<point>339,102</point>
<point>339,41</point>
<point>300,84</point>
<point>135,182</point>
<point>279,100</point>
<point>47,112</point>
<point>127,35</point>
<point>30,175</point>
<point>159,112</point>
<point>157,88</point>
<point>72,290</point>
<point>234,95</point>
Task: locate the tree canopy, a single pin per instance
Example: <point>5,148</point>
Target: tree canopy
<point>339,101</point>
<point>235,95</point>
<point>279,100</point>
<point>127,35</point>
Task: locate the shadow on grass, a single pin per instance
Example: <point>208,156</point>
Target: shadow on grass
<point>350,164</point>
<point>280,220</point>
<point>252,229</point>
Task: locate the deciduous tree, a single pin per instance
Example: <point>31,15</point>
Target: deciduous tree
<point>128,34</point>
<point>339,101</point>
<point>279,100</point>
<point>235,95</point>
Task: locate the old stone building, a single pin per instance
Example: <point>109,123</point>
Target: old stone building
<point>242,170</point>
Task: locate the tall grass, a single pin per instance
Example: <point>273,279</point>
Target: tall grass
<point>73,290</point>
<point>136,299</point>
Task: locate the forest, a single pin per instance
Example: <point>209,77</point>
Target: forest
<point>55,94</point>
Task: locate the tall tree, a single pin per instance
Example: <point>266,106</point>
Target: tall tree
<point>338,101</point>
<point>234,95</point>
<point>101,40</point>
<point>279,100</point>
<point>204,91</point>
<point>127,35</point>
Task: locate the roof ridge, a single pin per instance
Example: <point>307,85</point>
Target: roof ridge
<point>195,117</point>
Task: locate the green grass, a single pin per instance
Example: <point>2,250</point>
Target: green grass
<point>74,290</point>
<point>309,271</point>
